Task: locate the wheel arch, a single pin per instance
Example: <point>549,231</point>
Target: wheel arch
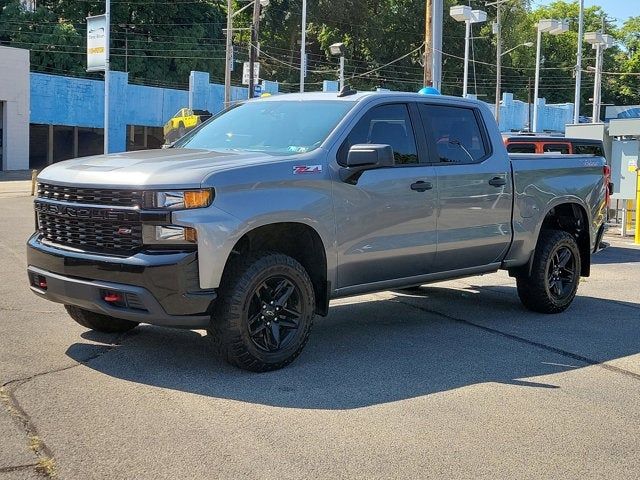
<point>570,216</point>
<point>297,240</point>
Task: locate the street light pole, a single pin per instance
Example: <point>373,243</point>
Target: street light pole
<point>107,66</point>
<point>554,27</point>
<point>576,98</point>
<point>437,9</point>
<point>463,13</point>
<point>467,36</point>
<point>600,43</point>
<point>498,60</point>
<point>536,84</point>
<point>303,46</point>
<point>253,45</point>
<point>595,115</point>
<point>338,49</point>
<point>227,69</point>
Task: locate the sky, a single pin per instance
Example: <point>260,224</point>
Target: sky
<point>618,9</point>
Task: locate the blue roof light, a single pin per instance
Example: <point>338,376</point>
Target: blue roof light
<point>429,91</point>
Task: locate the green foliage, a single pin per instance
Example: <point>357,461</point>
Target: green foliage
<point>160,42</point>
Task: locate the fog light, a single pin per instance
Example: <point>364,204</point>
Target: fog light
<point>172,233</point>
<point>169,234</point>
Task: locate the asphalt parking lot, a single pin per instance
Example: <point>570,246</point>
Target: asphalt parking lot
<point>451,380</point>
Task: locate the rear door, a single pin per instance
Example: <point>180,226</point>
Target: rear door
<point>386,223</point>
<point>474,188</point>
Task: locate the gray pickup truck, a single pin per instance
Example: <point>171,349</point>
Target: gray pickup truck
<point>250,224</point>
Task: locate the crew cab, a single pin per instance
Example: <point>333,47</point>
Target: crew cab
<point>250,224</point>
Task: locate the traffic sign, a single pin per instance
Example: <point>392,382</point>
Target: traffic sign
<point>245,73</point>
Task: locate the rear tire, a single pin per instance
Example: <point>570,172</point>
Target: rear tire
<point>265,312</point>
<point>98,321</point>
<point>555,274</point>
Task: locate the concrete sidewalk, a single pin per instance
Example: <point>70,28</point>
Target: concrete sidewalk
<point>15,188</point>
<point>15,183</point>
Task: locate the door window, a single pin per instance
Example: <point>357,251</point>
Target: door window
<point>561,148</point>
<point>386,125</point>
<point>456,132</point>
<point>521,148</point>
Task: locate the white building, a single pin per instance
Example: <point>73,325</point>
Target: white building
<point>14,108</point>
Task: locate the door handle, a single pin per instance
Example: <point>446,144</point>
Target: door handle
<point>421,186</point>
<point>498,181</point>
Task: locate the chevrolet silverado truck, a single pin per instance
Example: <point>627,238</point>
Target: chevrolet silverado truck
<point>249,225</point>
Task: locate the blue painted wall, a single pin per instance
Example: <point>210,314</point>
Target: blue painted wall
<point>79,102</point>
<point>514,115</point>
<point>58,100</point>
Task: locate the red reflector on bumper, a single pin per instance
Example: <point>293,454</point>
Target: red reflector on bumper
<point>113,297</point>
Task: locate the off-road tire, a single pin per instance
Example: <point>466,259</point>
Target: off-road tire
<point>98,321</point>
<point>229,328</point>
<point>535,290</point>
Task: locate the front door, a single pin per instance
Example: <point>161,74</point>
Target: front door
<point>386,223</point>
<point>474,189</point>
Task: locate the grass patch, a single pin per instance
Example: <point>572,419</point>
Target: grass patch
<point>35,443</point>
<point>46,466</point>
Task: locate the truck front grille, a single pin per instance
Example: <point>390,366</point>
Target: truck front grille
<point>91,235</point>
<point>67,216</point>
<point>90,196</point>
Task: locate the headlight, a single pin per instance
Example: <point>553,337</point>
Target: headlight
<point>179,199</point>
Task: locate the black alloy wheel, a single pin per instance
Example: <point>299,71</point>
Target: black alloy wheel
<point>561,274</point>
<point>274,313</point>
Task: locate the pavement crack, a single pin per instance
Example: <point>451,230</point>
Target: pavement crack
<point>46,464</point>
<point>22,310</point>
<point>15,468</point>
<point>510,336</point>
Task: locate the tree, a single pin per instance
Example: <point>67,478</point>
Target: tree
<point>160,42</point>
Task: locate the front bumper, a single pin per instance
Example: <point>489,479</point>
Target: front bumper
<point>159,287</point>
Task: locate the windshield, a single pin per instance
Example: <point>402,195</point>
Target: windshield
<point>279,127</point>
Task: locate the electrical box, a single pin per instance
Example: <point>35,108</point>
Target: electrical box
<point>624,164</point>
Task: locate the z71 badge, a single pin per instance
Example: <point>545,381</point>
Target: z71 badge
<point>299,169</point>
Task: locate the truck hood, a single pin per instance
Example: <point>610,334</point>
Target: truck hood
<point>185,168</point>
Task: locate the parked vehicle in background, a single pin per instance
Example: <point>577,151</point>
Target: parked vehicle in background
<point>250,224</point>
<point>562,145</point>
<point>183,121</point>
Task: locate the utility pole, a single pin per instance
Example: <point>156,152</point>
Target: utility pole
<point>253,46</point>
<point>107,36</point>
<point>303,46</point>
<point>576,99</point>
<point>227,68</point>
<point>427,79</point>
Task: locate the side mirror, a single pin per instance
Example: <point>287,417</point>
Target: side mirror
<point>366,156</point>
